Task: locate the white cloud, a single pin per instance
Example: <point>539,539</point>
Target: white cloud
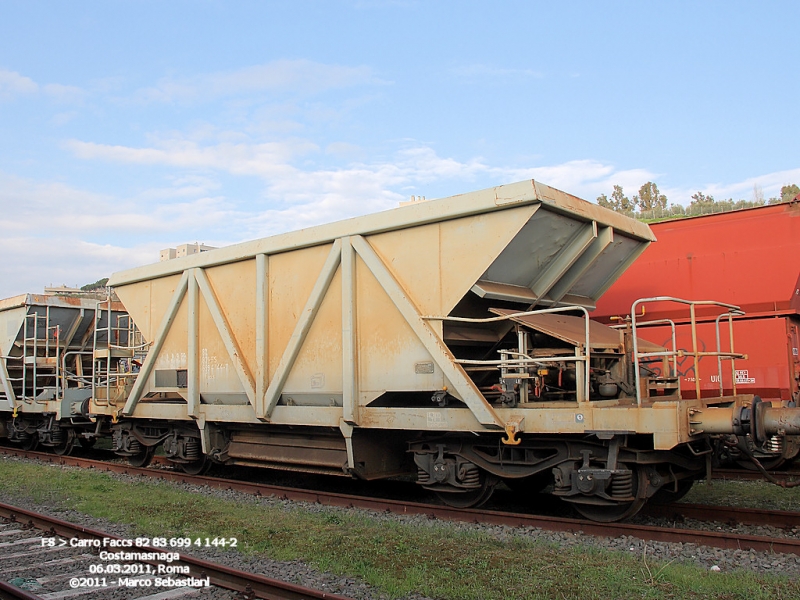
<point>328,194</point>
<point>192,204</point>
<point>283,75</point>
<point>64,93</point>
<point>274,163</point>
<point>38,210</point>
<point>265,159</point>
<point>294,197</point>
<point>56,234</point>
<point>25,202</point>
<point>13,84</point>
<point>191,185</point>
<point>343,150</point>
<point>33,263</point>
<point>770,184</point>
<point>588,178</point>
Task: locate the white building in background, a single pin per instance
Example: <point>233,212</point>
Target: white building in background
<point>184,250</point>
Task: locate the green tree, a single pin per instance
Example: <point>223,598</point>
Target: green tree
<point>621,202</point>
<point>602,200</point>
<point>788,192</point>
<point>701,204</point>
<point>97,285</point>
<point>649,198</point>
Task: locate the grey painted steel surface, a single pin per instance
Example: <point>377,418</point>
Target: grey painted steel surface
<point>310,327</point>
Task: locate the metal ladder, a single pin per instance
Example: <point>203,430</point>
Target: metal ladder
<point>118,346</point>
<point>40,356</point>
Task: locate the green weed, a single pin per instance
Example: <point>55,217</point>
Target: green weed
<point>440,560</point>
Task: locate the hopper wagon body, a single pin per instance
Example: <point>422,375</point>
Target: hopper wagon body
<point>448,339</point>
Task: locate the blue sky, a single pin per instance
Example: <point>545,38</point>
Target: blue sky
<point>131,126</point>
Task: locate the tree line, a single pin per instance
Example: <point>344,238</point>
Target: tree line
<point>98,285</point>
<point>651,203</point>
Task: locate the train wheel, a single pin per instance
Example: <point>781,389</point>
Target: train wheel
<point>65,448</point>
<point>197,467</point>
<point>608,513</point>
<point>668,494</point>
<point>473,498</point>
<point>143,458</point>
<point>770,463</point>
<point>31,443</point>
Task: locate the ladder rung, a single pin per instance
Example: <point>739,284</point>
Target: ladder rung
<point>42,361</point>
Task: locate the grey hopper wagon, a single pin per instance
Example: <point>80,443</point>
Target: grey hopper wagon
<point>56,353</point>
<point>448,338</point>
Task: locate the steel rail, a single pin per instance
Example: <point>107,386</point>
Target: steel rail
<point>254,585</point>
<point>731,515</point>
<point>745,475</point>
<point>12,592</point>
<point>726,540</point>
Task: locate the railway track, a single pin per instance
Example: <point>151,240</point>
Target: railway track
<point>41,541</point>
<point>675,513</point>
<point>729,515</point>
<point>792,474</point>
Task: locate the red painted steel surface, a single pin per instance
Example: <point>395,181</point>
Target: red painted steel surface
<point>769,369</point>
<point>750,258</point>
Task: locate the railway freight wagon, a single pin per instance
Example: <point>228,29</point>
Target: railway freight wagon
<point>751,258</point>
<point>448,339</point>
<point>56,353</point>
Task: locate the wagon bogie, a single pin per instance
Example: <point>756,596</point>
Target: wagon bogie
<point>606,479</point>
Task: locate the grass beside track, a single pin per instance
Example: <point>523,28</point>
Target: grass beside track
<point>752,494</point>
<point>441,560</point>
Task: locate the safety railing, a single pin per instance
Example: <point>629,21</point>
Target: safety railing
<point>673,354</point>
<point>77,376</point>
<point>697,354</point>
<point>515,362</point>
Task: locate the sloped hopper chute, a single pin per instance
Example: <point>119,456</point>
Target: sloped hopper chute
<point>562,257</point>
